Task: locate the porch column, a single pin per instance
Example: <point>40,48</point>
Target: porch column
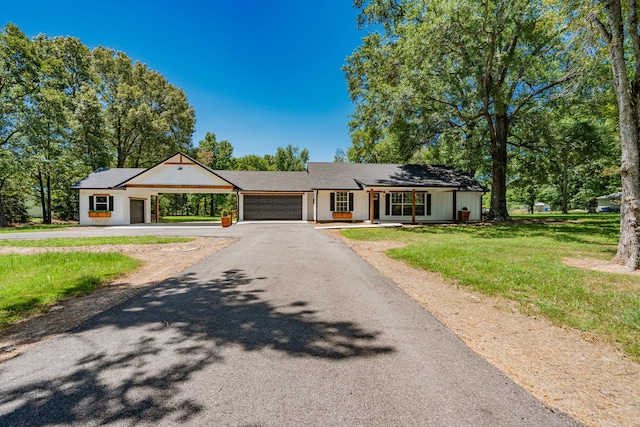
<point>371,209</point>
<point>413,206</point>
<point>455,203</point>
<point>157,208</point>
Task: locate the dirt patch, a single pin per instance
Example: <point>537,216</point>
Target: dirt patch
<point>565,368</point>
<point>600,265</point>
<point>161,261</point>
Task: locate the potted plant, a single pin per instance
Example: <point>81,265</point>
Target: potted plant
<point>227,220</point>
<point>463,215</point>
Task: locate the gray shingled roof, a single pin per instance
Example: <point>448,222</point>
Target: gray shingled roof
<point>348,175</point>
<point>319,176</point>
<point>104,178</point>
<point>268,180</point>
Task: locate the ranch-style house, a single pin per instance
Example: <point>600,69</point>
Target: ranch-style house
<point>324,192</point>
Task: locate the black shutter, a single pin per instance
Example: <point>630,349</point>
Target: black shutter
<point>428,204</point>
<point>111,203</point>
<point>91,206</point>
<point>332,201</point>
<point>350,202</point>
<point>387,204</point>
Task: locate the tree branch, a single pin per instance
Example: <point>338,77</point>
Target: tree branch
<point>591,17</point>
<point>537,92</point>
<point>6,140</point>
<point>635,37</point>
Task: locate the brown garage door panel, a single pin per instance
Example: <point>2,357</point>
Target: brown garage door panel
<point>136,211</point>
<point>272,207</point>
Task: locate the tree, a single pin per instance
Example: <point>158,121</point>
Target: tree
<point>252,162</point>
<point>432,66</point>
<point>217,155</point>
<point>146,118</point>
<point>340,156</point>
<point>290,158</point>
<point>18,80</point>
<point>618,27</point>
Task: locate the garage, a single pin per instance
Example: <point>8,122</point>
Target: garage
<point>136,211</point>
<point>280,207</point>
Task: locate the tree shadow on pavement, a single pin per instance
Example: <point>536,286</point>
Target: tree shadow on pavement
<point>133,360</point>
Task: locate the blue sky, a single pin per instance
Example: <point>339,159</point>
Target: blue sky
<point>259,73</point>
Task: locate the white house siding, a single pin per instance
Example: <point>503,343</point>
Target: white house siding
<point>471,201</point>
<point>441,205</point>
<point>308,206</point>
<point>120,215</point>
<point>360,205</point>
<point>181,178</point>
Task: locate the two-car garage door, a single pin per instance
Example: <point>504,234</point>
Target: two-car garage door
<point>280,207</point>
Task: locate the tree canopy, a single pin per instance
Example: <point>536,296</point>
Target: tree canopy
<point>474,69</point>
<point>66,110</point>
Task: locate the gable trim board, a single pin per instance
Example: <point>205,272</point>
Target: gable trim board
<point>414,193</point>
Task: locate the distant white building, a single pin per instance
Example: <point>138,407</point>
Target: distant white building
<point>609,202</point>
<point>541,207</point>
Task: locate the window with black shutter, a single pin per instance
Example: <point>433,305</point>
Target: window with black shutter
<point>341,201</point>
<point>101,203</point>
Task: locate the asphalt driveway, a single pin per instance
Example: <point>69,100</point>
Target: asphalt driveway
<point>285,327</point>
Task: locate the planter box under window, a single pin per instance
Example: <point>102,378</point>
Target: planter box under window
<point>342,215</point>
<point>99,214</point>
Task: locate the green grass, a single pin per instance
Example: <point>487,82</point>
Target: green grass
<point>189,218</point>
<point>89,241</point>
<point>523,262</point>
<point>31,283</point>
<point>35,227</point>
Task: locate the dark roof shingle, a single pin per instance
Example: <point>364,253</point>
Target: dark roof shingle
<point>107,178</point>
<point>319,176</point>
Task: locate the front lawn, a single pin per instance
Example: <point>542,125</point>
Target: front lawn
<point>34,227</point>
<point>30,283</point>
<point>523,262</point>
<point>90,241</point>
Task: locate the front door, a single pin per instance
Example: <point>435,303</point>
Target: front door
<point>376,206</point>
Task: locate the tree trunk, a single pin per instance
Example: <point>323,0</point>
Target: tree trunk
<point>48,199</point>
<point>3,215</point>
<point>41,194</point>
<point>564,184</point>
<point>627,97</point>
<point>499,211</point>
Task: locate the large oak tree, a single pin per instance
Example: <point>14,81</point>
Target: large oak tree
<point>429,66</point>
<point>617,23</point>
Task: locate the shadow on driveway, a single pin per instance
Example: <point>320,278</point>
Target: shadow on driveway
<point>164,337</point>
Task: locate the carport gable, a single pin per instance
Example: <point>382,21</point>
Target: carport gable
<point>180,174</point>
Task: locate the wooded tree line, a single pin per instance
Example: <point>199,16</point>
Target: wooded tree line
<point>517,92</point>
<point>66,110</point>
<point>508,90</point>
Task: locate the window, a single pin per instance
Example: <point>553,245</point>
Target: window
<point>101,203</point>
<point>420,204</point>
<point>399,204</point>
<point>341,201</point>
